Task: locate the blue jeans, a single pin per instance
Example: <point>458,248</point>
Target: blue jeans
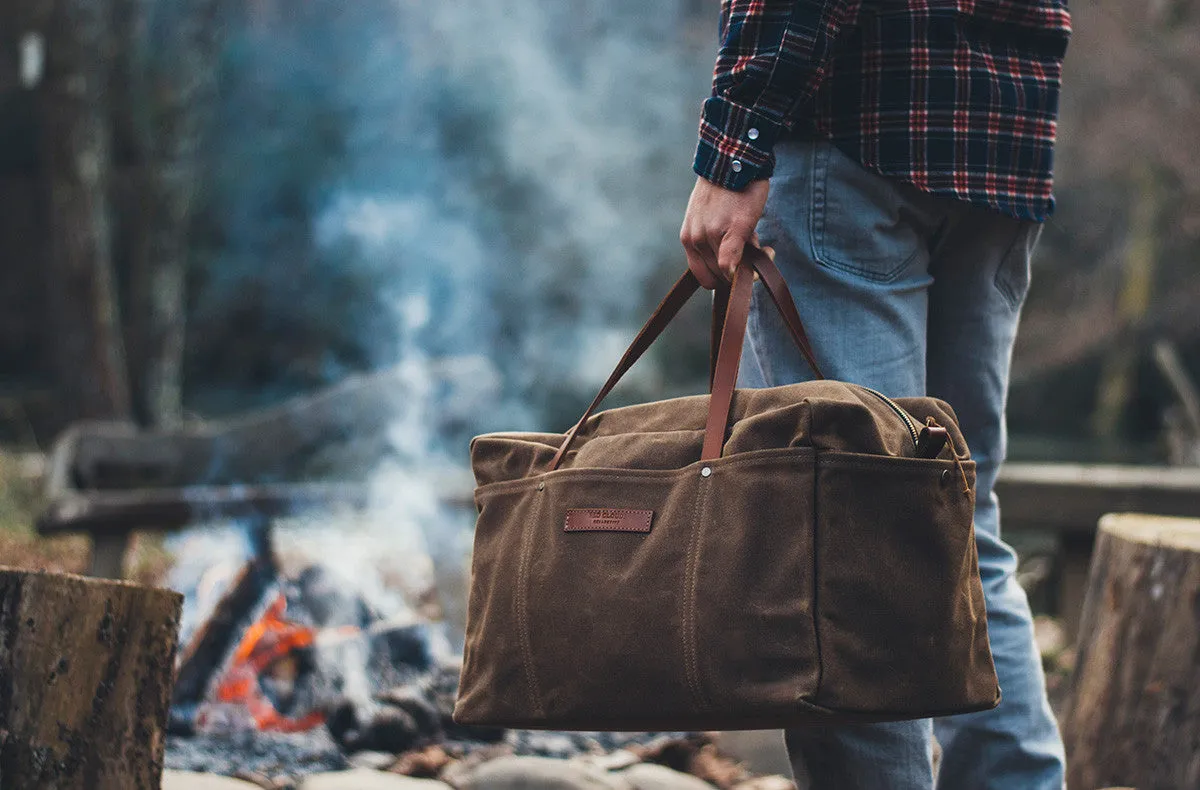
<point>913,294</point>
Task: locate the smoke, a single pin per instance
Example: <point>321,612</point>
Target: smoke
<point>476,192</point>
<point>519,167</point>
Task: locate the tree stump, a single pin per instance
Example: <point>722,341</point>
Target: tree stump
<point>1133,715</point>
<point>86,667</point>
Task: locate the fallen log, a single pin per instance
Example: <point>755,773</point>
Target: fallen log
<point>1133,713</point>
<point>86,667</point>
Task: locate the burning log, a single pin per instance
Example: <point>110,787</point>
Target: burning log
<point>205,653</point>
<point>85,680</point>
<point>268,650</point>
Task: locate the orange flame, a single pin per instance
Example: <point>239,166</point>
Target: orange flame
<point>269,640</point>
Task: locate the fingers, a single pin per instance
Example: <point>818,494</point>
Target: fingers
<point>702,259</point>
<point>717,226</point>
<point>698,258</point>
<point>729,254</point>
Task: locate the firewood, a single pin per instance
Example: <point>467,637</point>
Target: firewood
<point>1134,707</point>
<point>85,681</point>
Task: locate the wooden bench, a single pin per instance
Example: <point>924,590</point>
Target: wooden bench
<point>109,479</point>
<point>1070,499</point>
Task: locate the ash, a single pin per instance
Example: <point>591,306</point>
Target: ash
<point>540,743</point>
<point>266,753</point>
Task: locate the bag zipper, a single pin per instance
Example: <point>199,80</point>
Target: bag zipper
<point>908,421</point>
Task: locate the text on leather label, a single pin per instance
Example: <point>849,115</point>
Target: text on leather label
<point>604,519</point>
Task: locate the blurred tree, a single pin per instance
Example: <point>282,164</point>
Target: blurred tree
<point>89,355</point>
<point>163,84</point>
<point>1116,267</point>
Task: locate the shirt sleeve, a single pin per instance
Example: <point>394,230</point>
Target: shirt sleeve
<point>772,58</point>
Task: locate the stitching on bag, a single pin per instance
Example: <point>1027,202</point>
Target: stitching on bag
<point>816,566</point>
<point>800,454</point>
<point>690,646</point>
<point>535,694</point>
<point>913,470</point>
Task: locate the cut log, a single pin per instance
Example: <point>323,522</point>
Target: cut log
<point>85,681</point>
<point>1133,715</point>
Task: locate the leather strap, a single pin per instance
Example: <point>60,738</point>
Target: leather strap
<point>675,299</point>
<point>732,333</point>
<point>729,357</point>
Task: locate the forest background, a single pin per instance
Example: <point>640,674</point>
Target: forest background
<point>207,206</point>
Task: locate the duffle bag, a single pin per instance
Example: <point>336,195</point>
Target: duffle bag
<point>753,558</point>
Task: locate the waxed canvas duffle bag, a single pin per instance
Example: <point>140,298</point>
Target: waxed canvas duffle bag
<point>752,558</point>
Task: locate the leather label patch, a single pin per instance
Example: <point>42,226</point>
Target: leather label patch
<point>605,519</point>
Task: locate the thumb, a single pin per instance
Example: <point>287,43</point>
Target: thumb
<point>730,254</point>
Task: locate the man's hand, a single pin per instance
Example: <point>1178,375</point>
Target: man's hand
<point>719,223</point>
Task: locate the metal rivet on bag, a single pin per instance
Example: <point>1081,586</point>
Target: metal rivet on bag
<point>945,476</point>
<point>706,471</point>
<point>541,485</point>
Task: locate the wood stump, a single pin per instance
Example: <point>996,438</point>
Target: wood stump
<point>1133,716</point>
<point>86,667</point>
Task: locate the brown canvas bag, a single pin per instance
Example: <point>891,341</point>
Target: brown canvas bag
<point>747,559</point>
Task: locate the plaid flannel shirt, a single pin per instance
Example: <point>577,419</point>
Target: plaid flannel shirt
<point>957,97</point>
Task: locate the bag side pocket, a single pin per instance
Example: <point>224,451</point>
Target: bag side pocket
<point>901,616</point>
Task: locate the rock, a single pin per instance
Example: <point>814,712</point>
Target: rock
<point>717,768</point>
<point>376,761</point>
<point>423,763</point>
<point>541,773</point>
<point>647,776</point>
<point>610,761</point>
<point>760,751</point>
<point>767,783</point>
<point>366,779</point>
<point>188,780</point>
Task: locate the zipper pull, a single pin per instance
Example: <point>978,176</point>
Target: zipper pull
<point>931,440</point>
<point>934,435</point>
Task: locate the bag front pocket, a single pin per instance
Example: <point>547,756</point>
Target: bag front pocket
<point>593,596</point>
<point>753,620</point>
<point>901,617</point>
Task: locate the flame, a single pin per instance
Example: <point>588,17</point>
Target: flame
<point>266,644</point>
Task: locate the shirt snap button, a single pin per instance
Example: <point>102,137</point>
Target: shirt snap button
<point>736,166</point>
<point>706,471</point>
<point>945,476</point>
<point>752,134</point>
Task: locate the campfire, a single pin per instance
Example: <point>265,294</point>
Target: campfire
<point>312,674</point>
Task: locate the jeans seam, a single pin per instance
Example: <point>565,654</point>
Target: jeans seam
<point>1001,281</point>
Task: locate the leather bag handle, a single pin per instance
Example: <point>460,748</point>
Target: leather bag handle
<point>728,336</point>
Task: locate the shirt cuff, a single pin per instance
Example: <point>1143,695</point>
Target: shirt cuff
<point>735,145</point>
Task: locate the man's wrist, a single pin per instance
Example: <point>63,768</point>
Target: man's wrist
<point>736,144</point>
